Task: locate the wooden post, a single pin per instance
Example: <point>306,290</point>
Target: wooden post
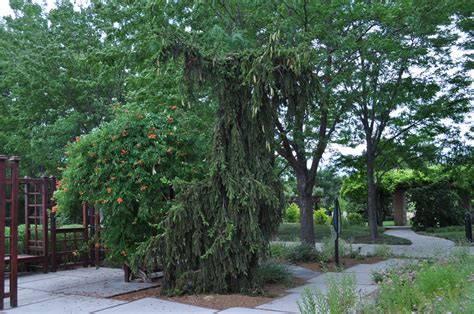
<point>399,208</point>
<point>27,213</point>
<point>126,273</point>
<point>15,180</point>
<point>85,234</point>
<point>97,234</point>
<point>54,265</point>
<point>52,233</point>
<point>3,205</point>
<point>44,217</point>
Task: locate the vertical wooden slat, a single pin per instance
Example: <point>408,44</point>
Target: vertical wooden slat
<point>53,227</point>
<point>74,246</point>
<point>27,221</point>
<point>65,247</point>
<point>14,230</point>
<point>35,212</point>
<point>3,204</point>
<point>44,221</point>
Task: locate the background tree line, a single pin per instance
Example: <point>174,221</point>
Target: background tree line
<point>378,73</point>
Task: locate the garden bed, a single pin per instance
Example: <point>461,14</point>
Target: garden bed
<point>270,292</point>
<point>220,301</point>
<point>344,263</point>
<point>353,234</point>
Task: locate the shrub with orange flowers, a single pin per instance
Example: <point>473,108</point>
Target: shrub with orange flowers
<point>130,169</point>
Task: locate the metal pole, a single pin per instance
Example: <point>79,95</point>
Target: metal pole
<point>468,226</point>
<point>336,220</point>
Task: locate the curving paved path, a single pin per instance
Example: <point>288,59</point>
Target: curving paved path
<point>422,246</point>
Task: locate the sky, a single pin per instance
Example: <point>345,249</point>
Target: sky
<point>5,8</point>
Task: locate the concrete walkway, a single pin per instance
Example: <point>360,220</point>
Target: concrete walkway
<point>362,274</point>
<point>421,247</point>
<point>81,290</point>
<point>86,290</point>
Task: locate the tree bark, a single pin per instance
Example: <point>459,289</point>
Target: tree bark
<point>372,193</point>
<point>466,201</point>
<point>306,203</point>
<point>380,214</point>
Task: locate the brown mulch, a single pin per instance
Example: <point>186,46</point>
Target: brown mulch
<point>225,301</point>
<point>137,295</point>
<point>344,262</point>
<point>219,301</point>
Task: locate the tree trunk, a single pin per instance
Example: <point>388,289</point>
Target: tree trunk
<point>378,206</point>
<point>372,193</point>
<point>466,201</point>
<point>306,203</point>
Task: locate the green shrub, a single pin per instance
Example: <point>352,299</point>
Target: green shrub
<point>303,253</point>
<point>289,231</point>
<point>328,248</point>
<point>341,297</point>
<point>278,251</point>
<point>271,271</point>
<point>397,293</point>
<point>321,218</point>
<point>355,219</point>
<point>21,239</point>
<point>383,250</point>
<point>292,213</point>
<point>436,205</point>
<point>131,168</point>
<point>22,235</point>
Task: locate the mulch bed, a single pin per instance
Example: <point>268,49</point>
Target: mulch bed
<point>219,301</point>
<point>225,301</point>
<point>344,263</point>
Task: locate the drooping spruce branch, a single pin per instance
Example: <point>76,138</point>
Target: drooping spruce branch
<point>221,226</point>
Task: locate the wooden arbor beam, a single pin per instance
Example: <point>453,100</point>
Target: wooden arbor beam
<point>399,208</point>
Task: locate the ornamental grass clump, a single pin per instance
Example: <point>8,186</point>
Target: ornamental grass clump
<point>341,297</point>
<point>271,271</point>
<point>424,288</point>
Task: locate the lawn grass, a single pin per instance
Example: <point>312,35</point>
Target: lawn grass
<point>353,234</point>
<point>388,223</point>
<point>453,233</point>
